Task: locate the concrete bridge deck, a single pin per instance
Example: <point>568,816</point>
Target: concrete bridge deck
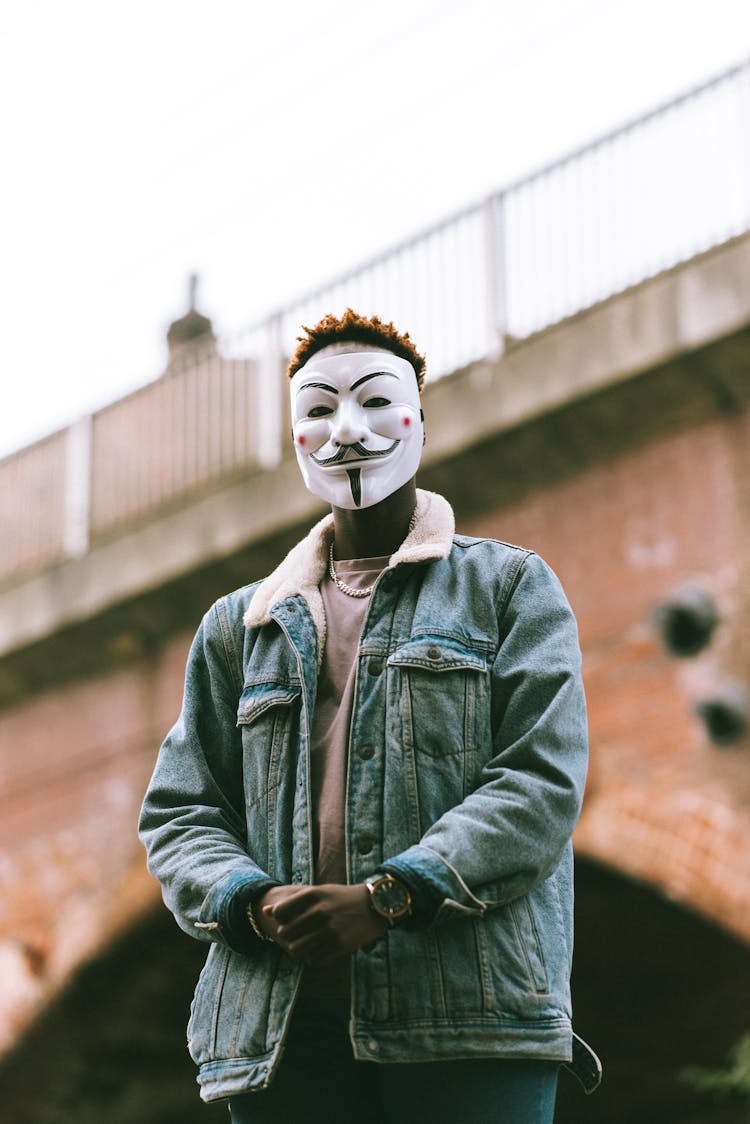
<point>616,443</point>
<point>664,354</point>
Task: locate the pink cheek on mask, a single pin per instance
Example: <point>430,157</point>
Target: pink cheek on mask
<point>406,422</point>
<point>301,440</point>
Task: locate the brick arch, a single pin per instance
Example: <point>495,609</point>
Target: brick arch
<point>111,1045</point>
<point>688,844</point>
<point>656,988</point>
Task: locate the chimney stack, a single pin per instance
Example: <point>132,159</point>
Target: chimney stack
<point>192,335</point>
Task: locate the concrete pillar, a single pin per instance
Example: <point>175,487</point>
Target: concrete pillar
<point>77,520</point>
<point>495,272</point>
<point>269,404</point>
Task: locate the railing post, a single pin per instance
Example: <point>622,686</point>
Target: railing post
<point>269,404</point>
<point>77,519</point>
<point>495,272</point>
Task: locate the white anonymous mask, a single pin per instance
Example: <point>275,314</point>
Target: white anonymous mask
<point>357,425</point>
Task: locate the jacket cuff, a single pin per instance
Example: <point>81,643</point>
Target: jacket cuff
<point>438,890</point>
<point>223,913</point>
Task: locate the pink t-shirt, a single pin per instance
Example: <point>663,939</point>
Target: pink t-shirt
<point>330,741</point>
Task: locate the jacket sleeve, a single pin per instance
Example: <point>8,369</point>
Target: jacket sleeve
<point>193,821</point>
<point>509,834</point>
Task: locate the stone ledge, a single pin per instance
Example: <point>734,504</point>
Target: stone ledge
<point>672,350</point>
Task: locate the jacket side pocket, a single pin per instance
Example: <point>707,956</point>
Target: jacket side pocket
<point>204,1009</point>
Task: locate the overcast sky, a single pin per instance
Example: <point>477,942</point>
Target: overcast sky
<point>266,146</point>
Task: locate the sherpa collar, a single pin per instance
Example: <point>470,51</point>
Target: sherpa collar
<point>304,567</point>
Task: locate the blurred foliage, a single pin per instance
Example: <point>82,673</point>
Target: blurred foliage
<point>732,1082</point>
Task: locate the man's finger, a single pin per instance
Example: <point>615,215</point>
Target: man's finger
<point>288,909</point>
<point>303,926</point>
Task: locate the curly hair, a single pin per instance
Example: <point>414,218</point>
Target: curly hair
<point>353,328</point>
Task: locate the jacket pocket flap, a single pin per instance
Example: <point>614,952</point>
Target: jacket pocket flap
<point>259,698</point>
<point>438,653</point>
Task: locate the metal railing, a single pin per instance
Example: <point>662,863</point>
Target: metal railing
<point>32,506</point>
<point>628,206</point>
<point>194,426</point>
<point>640,200</point>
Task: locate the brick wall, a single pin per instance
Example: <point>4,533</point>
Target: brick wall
<point>74,764</point>
<point>664,803</point>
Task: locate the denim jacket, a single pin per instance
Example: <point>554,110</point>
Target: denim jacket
<point>467,763</point>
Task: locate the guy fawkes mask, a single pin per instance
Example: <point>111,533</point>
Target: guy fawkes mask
<point>357,424</point>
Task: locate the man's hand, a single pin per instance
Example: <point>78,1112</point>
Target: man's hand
<point>317,924</point>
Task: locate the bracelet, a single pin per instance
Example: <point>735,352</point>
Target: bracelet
<point>254,924</point>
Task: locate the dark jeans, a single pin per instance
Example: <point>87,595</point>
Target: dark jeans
<point>319,1082</point>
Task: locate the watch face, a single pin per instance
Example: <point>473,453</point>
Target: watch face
<point>391,898</point>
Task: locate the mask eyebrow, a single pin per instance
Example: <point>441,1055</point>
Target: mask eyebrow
<point>319,385</point>
<point>374,375</point>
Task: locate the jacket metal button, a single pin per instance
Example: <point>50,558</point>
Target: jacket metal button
<point>433,653</point>
<point>374,667</point>
<point>366,752</point>
<point>364,844</point>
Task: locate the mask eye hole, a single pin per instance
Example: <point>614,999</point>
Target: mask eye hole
<point>375,402</point>
<point>319,412</point>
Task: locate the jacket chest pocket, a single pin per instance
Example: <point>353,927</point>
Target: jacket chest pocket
<point>266,715</point>
<point>441,690</point>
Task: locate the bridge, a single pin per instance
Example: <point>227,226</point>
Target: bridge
<point>587,333</point>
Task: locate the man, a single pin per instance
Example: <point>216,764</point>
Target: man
<point>367,801</point>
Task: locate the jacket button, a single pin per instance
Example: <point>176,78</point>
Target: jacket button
<point>364,846</point>
<point>433,653</point>
<point>374,667</point>
<point>366,752</point>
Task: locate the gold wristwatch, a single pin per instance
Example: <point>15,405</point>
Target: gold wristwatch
<point>389,897</point>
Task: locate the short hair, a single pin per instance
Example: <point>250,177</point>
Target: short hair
<point>353,328</point>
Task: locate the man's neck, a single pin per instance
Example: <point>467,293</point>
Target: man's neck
<point>374,531</point>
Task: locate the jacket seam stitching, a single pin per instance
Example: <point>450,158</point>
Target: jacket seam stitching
<point>512,581</point>
<point>228,646</point>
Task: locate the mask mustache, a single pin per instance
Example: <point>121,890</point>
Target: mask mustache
<point>364,454</point>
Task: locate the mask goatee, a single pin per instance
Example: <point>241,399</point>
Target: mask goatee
<point>354,484</point>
